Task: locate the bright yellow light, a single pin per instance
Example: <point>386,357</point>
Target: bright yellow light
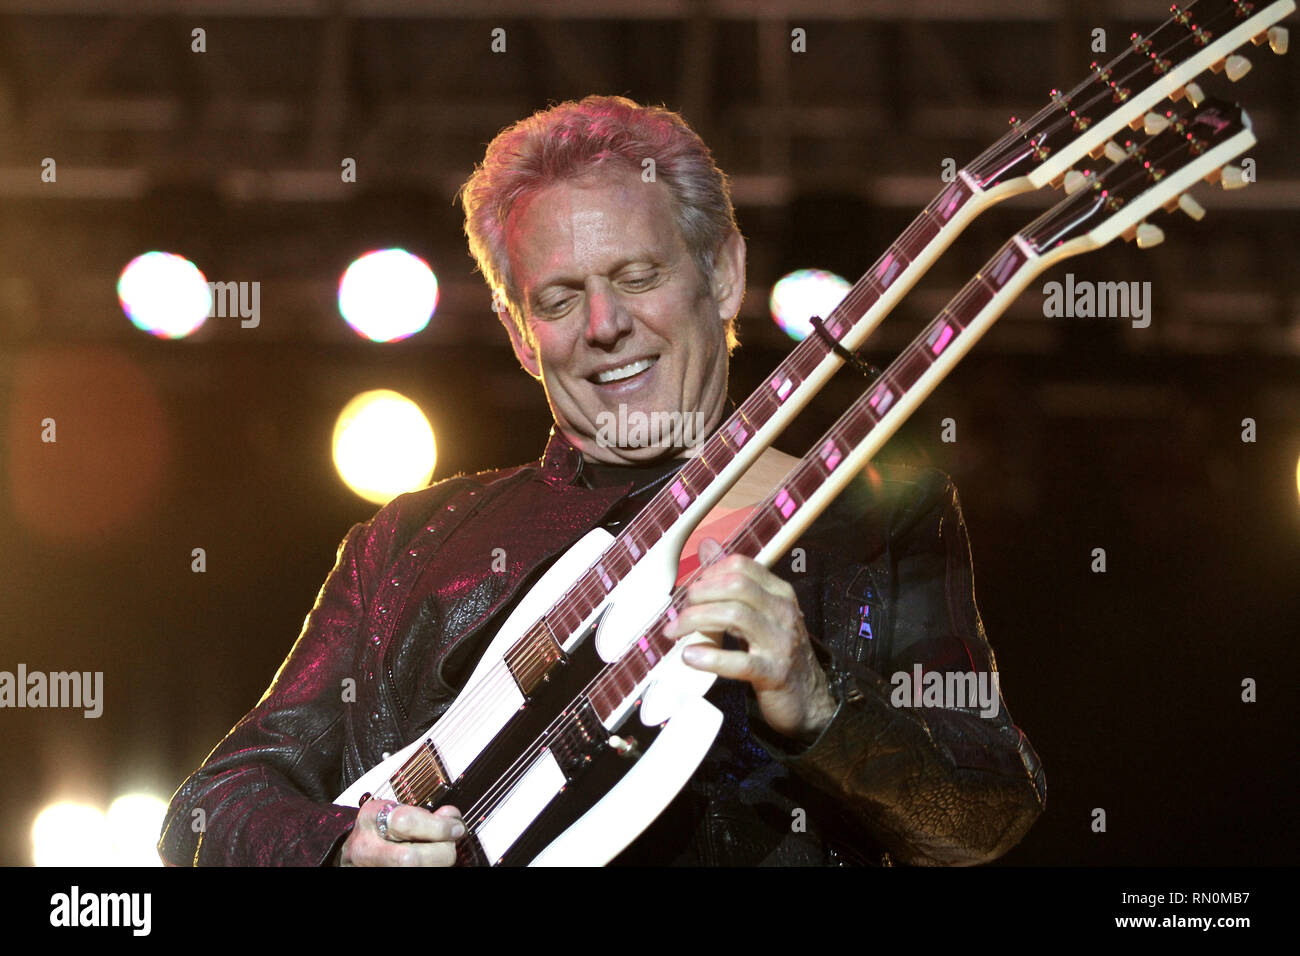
<point>383,446</point>
<point>71,834</point>
<point>134,825</point>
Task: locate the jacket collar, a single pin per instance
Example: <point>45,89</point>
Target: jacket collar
<point>561,461</point>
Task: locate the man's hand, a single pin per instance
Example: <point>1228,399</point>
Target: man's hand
<point>741,597</point>
<point>416,837</point>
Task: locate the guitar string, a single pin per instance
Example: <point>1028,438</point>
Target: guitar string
<point>600,685</point>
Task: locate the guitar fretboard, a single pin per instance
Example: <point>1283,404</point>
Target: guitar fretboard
<point>609,691</point>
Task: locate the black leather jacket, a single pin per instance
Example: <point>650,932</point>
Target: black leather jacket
<point>884,580</point>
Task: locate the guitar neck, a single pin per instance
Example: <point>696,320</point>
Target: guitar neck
<point>1033,153</point>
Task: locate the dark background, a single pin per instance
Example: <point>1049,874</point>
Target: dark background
<point>1073,434</point>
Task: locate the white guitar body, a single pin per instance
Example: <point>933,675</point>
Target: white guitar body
<point>673,687</point>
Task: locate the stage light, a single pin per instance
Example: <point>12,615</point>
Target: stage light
<point>134,825</point>
<point>388,295</point>
<point>383,446</point>
<point>800,295</point>
<point>71,834</point>
<point>164,294</point>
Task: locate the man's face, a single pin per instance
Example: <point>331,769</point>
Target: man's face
<point>618,313</point>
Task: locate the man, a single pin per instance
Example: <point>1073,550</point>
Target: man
<point>608,238</point>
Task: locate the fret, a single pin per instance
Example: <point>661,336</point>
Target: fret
<point>915,360</point>
<point>804,361</point>
<point>565,614</point>
<point>616,564</point>
<point>651,653</point>
<point>621,681</point>
<point>807,479</point>
<point>1007,262</point>
<point>705,461</point>
<point>782,385</point>
<point>786,503</point>
<point>578,603</point>
<point>838,322</point>
<point>601,697</point>
<point>830,454</point>
<point>699,472</point>
<point>882,397</point>
<point>948,202</point>
<point>738,430</point>
<point>651,523</point>
<point>765,522</point>
<point>681,494</point>
<point>921,232</point>
<point>890,265</point>
<point>606,580</point>
<point>605,695</point>
<point>960,312</point>
<point>940,336</point>
<point>858,424</point>
<point>760,406</point>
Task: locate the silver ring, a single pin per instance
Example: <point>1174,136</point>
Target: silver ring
<point>381,819</point>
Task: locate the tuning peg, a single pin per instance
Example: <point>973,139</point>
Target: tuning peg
<point>1190,206</point>
<point>1236,67</point>
<point>1277,39</point>
<point>1154,123</point>
<point>1195,95</point>
<point>1149,235</point>
<point>1232,178</point>
<point>1074,181</point>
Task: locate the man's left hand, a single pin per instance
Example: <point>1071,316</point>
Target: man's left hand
<point>739,596</point>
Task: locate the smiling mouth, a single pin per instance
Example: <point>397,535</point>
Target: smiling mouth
<point>624,372</point>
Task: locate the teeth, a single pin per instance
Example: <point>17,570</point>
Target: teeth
<point>627,371</point>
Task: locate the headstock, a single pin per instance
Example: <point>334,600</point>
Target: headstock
<point>1193,143</point>
<point>1127,91</point>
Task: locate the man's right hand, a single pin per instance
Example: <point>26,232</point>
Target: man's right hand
<point>416,837</point>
